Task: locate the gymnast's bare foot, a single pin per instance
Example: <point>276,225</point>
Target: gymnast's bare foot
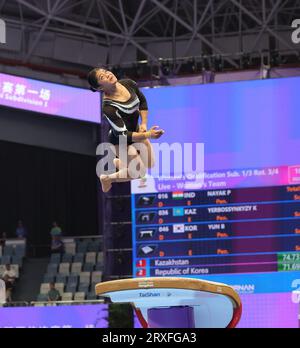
<point>105,182</point>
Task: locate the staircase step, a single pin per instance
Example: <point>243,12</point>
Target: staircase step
<point>31,277</point>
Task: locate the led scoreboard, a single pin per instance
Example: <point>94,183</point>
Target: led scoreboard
<point>220,231</point>
<point>241,225</point>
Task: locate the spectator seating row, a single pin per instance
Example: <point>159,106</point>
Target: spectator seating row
<point>74,278</point>
<point>13,254</point>
<point>89,257</point>
<point>73,284</point>
<point>67,268</point>
<point>76,272</point>
<point>16,260</point>
<point>69,296</point>
<point>14,250</point>
<point>70,287</point>
<point>87,245</point>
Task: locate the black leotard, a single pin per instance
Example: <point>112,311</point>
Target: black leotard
<point>123,116</point>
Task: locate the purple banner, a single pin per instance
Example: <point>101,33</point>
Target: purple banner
<point>49,98</point>
<point>262,311</point>
<point>84,316</point>
<point>269,311</point>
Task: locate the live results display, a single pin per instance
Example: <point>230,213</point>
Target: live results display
<point>218,231</point>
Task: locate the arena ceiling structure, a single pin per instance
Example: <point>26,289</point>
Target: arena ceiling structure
<point>72,35</point>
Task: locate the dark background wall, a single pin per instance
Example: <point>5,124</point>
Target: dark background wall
<point>47,173</point>
<point>36,129</point>
<point>41,185</point>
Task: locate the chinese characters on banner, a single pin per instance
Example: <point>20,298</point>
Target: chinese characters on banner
<point>23,94</point>
<point>48,98</point>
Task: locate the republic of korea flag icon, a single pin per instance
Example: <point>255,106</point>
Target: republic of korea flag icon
<point>178,228</point>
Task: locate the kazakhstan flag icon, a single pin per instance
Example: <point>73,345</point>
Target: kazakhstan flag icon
<point>178,211</point>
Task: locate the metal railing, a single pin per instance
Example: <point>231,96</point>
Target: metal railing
<point>51,303</point>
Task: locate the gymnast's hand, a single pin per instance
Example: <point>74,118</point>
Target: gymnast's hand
<point>143,128</point>
<point>156,132</point>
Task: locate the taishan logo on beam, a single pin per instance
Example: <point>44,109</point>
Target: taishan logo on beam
<point>2,31</point>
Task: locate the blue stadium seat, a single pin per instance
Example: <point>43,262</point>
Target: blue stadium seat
<point>5,260</point>
<point>67,258</point>
<point>88,267</point>
<point>52,268</point>
<point>55,258</point>
<point>42,298</point>
<point>8,250</point>
<point>71,288</point>
<point>79,257</point>
<point>17,260</point>
<point>94,246</point>
<point>20,250</point>
<point>91,296</point>
<point>99,267</point>
<point>49,278</point>
<point>82,247</point>
<point>60,278</point>
<point>83,288</point>
<point>73,279</point>
<point>87,241</point>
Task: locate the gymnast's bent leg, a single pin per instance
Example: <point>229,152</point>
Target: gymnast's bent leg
<point>146,152</point>
<point>125,172</point>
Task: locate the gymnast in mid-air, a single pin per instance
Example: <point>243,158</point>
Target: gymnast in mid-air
<point>122,104</point>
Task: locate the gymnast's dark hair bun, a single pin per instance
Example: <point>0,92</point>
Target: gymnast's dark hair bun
<point>92,80</point>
